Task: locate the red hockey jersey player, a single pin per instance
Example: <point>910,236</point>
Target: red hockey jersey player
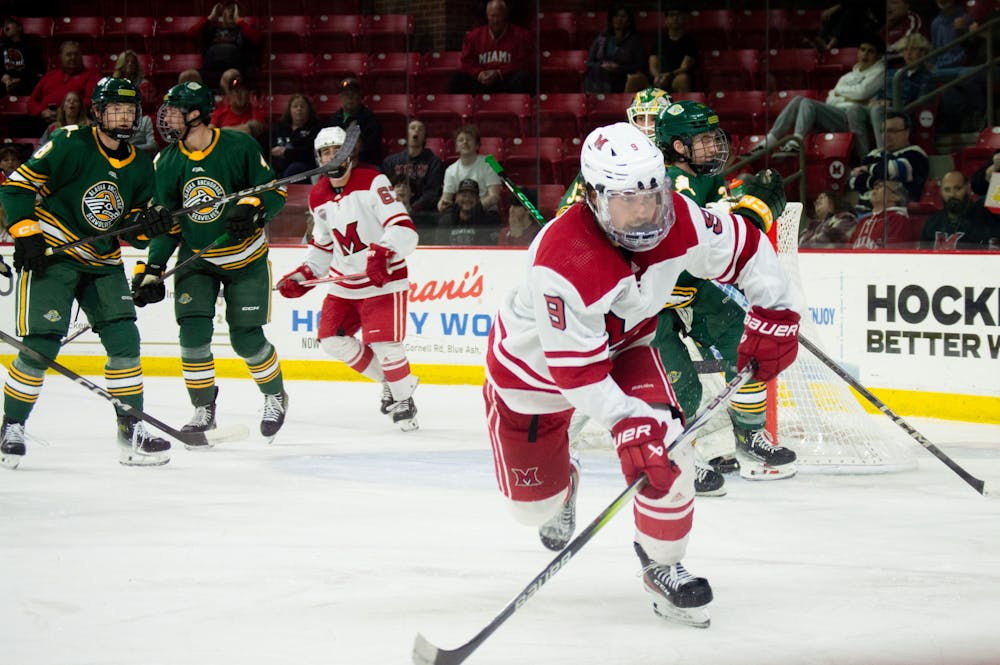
<point>361,232</point>
<point>575,334</point>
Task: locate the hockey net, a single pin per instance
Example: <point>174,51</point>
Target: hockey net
<point>815,412</point>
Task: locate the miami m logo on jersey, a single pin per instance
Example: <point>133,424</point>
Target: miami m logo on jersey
<point>349,240</point>
<point>526,477</point>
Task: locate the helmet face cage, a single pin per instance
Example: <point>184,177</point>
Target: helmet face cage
<point>184,98</point>
<point>648,102</point>
<point>333,137</point>
<point>696,126</point>
<point>123,95</point>
<point>628,189</point>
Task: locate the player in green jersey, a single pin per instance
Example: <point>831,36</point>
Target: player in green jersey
<point>201,164</point>
<point>87,180</point>
<point>696,150</point>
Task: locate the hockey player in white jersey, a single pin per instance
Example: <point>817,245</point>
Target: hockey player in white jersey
<point>576,333</point>
<point>361,232</point>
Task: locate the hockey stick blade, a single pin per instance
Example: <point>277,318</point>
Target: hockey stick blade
<point>425,653</point>
<point>227,434</point>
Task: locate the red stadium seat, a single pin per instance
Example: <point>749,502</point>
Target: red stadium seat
<point>588,26</point>
<point>970,159</point>
<point>167,66</point>
<point>804,21</point>
<point>740,111</point>
<point>533,161</point>
<point>393,72</point>
<point>606,109</point>
<point>693,96</point>
<point>439,146</point>
<point>832,65</point>
<point>779,100</point>
<point>557,30</point>
<point>828,160</point>
<point>502,114</point>
<point>129,32</point>
<point>285,34</point>
<point>335,32</point>
<point>87,30</point>
<point>924,129</point>
<point>710,27</point>
<point>791,68</point>
<point>39,26</point>
<point>285,72</point>
<point>436,71</point>
<point>330,68</point>
<point>647,24</point>
<point>393,112</point>
<point>562,114</point>
<point>443,114</point>
<point>729,70</point>
<point>387,32</point>
<point>562,71</point>
<point>173,34</point>
<point>930,200</point>
<point>493,145</point>
<point>14,115</point>
<point>549,196</point>
<point>761,29</point>
<point>275,105</point>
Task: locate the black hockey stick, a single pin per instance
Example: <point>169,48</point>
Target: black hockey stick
<point>514,189</point>
<point>70,338</point>
<point>425,653</point>
<point>195,439</point>
<point>353,133</point>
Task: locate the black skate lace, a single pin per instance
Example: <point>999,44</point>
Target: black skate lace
<point>273,407</point>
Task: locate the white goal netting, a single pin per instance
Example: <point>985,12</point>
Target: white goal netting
<point>818,416</point>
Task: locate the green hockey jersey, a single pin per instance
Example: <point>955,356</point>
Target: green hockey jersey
<point>231,163</point>
<point>82,191</point>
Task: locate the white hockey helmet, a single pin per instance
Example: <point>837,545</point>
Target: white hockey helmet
<point>631,197</point>
<point>333,137</point>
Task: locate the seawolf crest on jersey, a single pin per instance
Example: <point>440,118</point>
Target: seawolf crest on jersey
<point>203,190</point>
<point>102,205</point>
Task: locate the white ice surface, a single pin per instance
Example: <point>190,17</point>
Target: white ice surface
<point>345,537</point>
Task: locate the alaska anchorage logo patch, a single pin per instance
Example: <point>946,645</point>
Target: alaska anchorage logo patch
<point>102,205</point>
<point>202,190</point>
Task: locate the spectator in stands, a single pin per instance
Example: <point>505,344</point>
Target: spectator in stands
<point>70,112</point>
<point>127,66</point>
<point>23,62</point>
<point>675,63</point>
<point>899,161</point>
<point>470,165</point>
<point>190,76</point>
<point>228,41</point>
<point>294,136</point>
<point>238,110</point>
<point>845,24</point>
<point>616,58</point>
<point>900,23</point>
<point>353,111</point>
<point>961,106</point>
<point>956,225</point>
<point>833,221</point>
<point>422,170</point>
<point>980,180</point>
<point>71,76</point>
<point>10,159</point>
<point>951,22</point>
<point>846,106</point>
<point>403,189</point>
<point>522,227</point>
<point>889,225</point>
<point>496,57</point>
<point>468,222</point>
<point>915,84</point>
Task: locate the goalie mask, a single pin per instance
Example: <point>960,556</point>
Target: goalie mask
<point>627,186</point>
<point>645,106</point>
<point>116,107</point>
<point>172,117</point>
<point>696,126</point>
<point>333,137</point>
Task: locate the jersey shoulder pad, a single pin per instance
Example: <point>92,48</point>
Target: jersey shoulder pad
<point>363,178</point>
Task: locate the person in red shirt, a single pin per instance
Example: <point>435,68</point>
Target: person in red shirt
<point>889,225</point>
<point>71,76</point>
<point>496,57</point>
<point>237,110</point>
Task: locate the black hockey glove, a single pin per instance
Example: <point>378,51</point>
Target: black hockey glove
<point>763,200</point>
<point>147,287</point>
<point>248,216</point>
<point>29,246</point>
<point>156,220</point>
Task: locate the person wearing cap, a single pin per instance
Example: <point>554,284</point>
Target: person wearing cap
<point>23,62</point>
<point>352,111</point>
<point>522,227</point>
<point>467,222</point>
<point>238,112</point>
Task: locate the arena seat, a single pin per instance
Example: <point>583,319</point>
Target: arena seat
<point>387,32</point>
<point>760,29</point>
<point>436,71</point>
<point>562,71</point>
<point>791,68</point>
<point>502,114</point>
<point>557,30</point>
<point>172,34</point>
<point>443,114</point>
<point>740,111</point>
<point>87,30</point>
<point>334,32</point>
<point>396,72</point>
<point>828,160</point>
<point>330,68</point>
<point>286,33</point>
<point>129,32</point>
<point>561,114</point>
<point>729,70</point>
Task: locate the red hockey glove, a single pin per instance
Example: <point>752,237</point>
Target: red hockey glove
<point>291,286</point>
<point>771,336</point>
<point>378,264</point>
<point>642,447</point>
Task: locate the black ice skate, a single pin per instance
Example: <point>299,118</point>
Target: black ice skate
<point>203,420</point>
<point>11,444</point>
<point>275,407</point>
<point>555,533</point>
<point>404,414</point>
<point>760,458</point>
<point>708,482</point>
<point>387,399</point>
<point>137,447</point>
<point>680,596</point>
<point>724,464</point>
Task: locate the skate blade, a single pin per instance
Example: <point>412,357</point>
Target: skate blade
<point>696,617</point>
<point>408,425</point>
<point>751,469</point>
<point>722,491</point>
<point>139,459</point>
<point>10,461</point>
<point>226,434</point>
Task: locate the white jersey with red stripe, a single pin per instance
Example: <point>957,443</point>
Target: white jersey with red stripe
<point>584,300</point>
<point>347,220</point>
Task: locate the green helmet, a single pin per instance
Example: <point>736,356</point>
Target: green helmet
<point>647,102</point>
<point>684,120</point>
<point>187,97</point>
<point>111,90</point>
